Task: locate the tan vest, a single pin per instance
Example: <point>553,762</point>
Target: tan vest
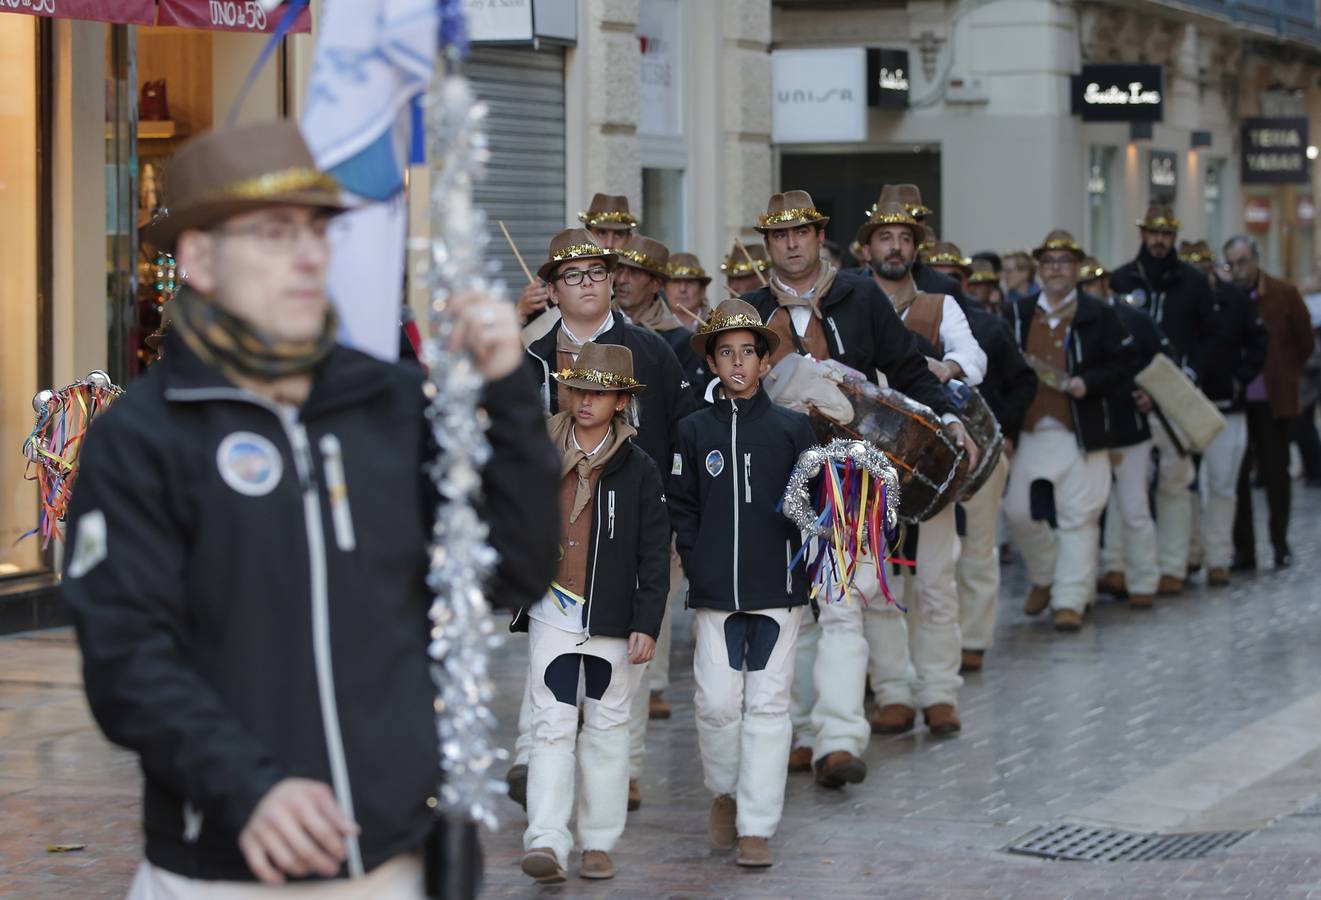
<point>575,536</point>
<point>925,314</point>
<point>1047,344</point>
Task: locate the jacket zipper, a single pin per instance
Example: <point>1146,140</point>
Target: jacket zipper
<point>733,460</point>
<point>788,567</point>
<point>596,551</point>
<point>341,515</point>
<point>545,379</point>
<point>839,341</point>
<point>296,434</point>
<point>611,505</point>
<point>192,823</point>
<point>747,477</point>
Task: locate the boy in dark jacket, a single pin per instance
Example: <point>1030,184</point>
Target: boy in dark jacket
<point>598,621</point>
<point>728,476</point>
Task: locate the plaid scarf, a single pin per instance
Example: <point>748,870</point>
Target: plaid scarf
<point>237,349</point>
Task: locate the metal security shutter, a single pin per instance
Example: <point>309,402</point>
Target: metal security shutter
<point>524,184</point>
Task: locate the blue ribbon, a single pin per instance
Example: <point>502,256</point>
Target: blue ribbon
<point>292,9</point>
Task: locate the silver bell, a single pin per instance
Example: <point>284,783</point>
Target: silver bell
<point>42,399</point>
<point>97,378</point>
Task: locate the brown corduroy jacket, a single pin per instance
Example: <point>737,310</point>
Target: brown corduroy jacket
<point>1290,340</point>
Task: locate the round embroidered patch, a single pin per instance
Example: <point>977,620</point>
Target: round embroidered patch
<point>715,463</point>
<point>249,463</point>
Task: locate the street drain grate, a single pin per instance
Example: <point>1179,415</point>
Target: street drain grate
<point>1080,843</point>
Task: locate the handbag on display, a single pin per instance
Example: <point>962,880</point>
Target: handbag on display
<point>152,103</point>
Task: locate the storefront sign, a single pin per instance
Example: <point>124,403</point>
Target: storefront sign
<point>659,37</point>
<point>1163,175</point>
<point>1275,151</point>
<point>521,21</point>
<point>887,78</point>
<point>1257,214</point>
<point>124,12</point>
<point>227,15</point>
<point>818,96</point>
<point>1119,93</point>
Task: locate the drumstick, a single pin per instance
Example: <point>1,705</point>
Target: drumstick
<point>733,293</point>
<point>748,256</point>
<point>692,315</point>
<point>518,256</point>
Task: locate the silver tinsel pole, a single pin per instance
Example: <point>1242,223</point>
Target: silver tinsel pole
<point>462,631</point>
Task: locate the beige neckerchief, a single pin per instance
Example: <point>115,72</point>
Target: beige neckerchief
<point>575,458</point>
<point>904,296</point>
<point>1057,314</point>
<point>811,298</point>
<point>656,317</point>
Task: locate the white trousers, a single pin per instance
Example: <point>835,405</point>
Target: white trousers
<point>927,672</point>
<point>400,878</point>
<point>977,571</point>
<point>1064,560</point>
<point>1130,532</point>
<point>1219,486</point>
<point>658,671</point>
<point>803,693</point>
<point>559,662</point>
<point>1174,504</point>
<point>743,663</point>
<point>838,721</point>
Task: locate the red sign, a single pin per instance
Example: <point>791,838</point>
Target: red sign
<point>224,15</point>
<point>1257,214</point>
<point>124,12</point>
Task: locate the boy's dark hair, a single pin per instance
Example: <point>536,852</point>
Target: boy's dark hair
<point>997,265</point>
<point>758,341</point>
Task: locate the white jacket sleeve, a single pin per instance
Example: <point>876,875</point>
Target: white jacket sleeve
<point>960,346</point>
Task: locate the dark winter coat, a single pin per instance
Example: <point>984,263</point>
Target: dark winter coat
<point>1175,294</point>
<point>1129,424</point>
<point>1010,383</point>
<point>223,553</point>
<point>730,470</point>
<point>1233,350</point>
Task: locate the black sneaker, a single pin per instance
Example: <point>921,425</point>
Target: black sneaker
<point>1283,559</point>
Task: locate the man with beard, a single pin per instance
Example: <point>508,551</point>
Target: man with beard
<point>1273,400</point>
<point>1232,356</point>
<point>928,280</point>
<point>1061,471</point>
<point>928,678</point>
<point>643,269</point>
<point>579,272</point>
<point>1178,298</point>
<point>828,314</point>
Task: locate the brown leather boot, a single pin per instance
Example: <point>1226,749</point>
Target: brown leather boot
<point>540,863</point>
<point>596,865</point>
<point>972,661</point>
<point>754,853</point>
<point>1112,583</point>
<point>942,720</point>
<point>1141,601</point>
<point>657,708</point>
<point>1037,600</point>
<point>634,795</point>
<point>800,759</point>
<point>893,718</point>
<point>516,784</point>
<point>721,825</point>
<point>834,770</point>
<point>1217,577</point>
<point>1169,586</point>
<point>1067,620</point>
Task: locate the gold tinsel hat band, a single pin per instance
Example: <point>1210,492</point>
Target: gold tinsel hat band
<point>641,259</point>
<point>607,380</point>
<point>1160,223</point>
<point>718,322</point>
<point>946,259</point>
<point>273,184</point>
<point>805,213</point>
<point>737,266</point>
<point>611,217</point>
<point>577,251</point>
<point>677,272</point>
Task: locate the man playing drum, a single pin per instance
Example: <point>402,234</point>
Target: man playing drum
<point>827,314</point>
<point>929,677</point>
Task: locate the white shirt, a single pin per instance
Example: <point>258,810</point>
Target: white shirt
<point>605,326</point>
<point>960,346</point>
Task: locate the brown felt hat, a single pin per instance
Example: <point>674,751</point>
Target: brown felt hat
<point>736,265</point>
<point>890,212</point>
<point>601,367</point>
<point>1059,239</point>
<point>732,315</point>
<point>983,273</point>
<point>608,211</point>
<point>647,254</point>
<point>222,174</point>
<point>1196,252</point>
<point>686,267</point>
<point>947,253</point>
<point>570,244</point>
<point>1090,270</point>
<point>907,194</point>
<point>1160,217</point>
<point>789,210</point>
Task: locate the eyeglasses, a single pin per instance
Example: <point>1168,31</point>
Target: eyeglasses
<point>1056,262</point>
<point>281,235</point>
<point>574,277</point>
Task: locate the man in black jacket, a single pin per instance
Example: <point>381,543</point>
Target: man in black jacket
<point>1061,470</point>
<point>1178,298</point>
<point>817,310</point>
<point>1233,354</point>
<point>1128,555</point>
<point>247,569</point>
<point>928,278</point>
